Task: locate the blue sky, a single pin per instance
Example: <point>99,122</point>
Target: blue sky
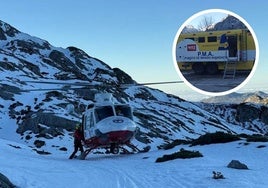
<point>136,36</point>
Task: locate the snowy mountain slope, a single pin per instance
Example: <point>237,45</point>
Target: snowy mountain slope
<point>39,117</point>
<point>25,168</point>
<point>248,110</point>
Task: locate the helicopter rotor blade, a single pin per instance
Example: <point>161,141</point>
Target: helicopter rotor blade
<point>69,85</point>
<point>158,83</point>
<point>50,89</point>
<point>65,85</point>
<point>149,83</point>
<point>60,83</point>
<point>53,89</point>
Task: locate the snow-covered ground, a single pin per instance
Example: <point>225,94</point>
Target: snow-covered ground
<point>27,169</point>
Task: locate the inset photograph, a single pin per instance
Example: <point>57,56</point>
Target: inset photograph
<point>215,51</point>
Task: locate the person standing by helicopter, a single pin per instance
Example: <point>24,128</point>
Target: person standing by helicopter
<point>78,138</point>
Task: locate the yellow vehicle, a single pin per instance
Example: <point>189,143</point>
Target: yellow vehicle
<point>211,51</point>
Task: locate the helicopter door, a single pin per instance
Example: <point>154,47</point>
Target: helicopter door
<point>89,124</point>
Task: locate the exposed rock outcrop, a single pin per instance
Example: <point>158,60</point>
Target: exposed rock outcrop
<point>5,182</point>
<point>237,165</point>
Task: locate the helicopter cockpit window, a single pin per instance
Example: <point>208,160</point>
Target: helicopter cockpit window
<point>123,110</point>
<point>103,112</point>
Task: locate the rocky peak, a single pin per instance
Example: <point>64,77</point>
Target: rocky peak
<point>7,30</point>
<point>230,22</point>
<point>189,29</point>
<point>257,98</point>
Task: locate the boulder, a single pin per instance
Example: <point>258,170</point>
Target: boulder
<point>237,165</point>
<point>39,143</point>
<point>217,175</point>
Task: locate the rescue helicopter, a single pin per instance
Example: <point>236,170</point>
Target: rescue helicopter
<point>106,123</point>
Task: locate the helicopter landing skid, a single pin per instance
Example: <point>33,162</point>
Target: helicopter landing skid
<point>114,149</point>
<point>135,149</point>
<point>85,153</point>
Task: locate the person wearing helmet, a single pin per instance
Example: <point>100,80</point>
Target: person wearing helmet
<point>78,138</point>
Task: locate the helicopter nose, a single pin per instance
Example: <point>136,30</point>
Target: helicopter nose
<point>116,123</point>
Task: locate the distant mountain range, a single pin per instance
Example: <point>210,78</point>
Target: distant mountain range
<point>258,97</point>
<point>230,22</point>
<point>189,29</point>
<point>35,111</point>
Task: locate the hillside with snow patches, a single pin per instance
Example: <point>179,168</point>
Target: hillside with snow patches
<point>248,110</point>
<point>37,121</point>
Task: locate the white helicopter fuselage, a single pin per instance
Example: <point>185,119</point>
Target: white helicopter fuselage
<point>106,123</point>
<point>115,123</point>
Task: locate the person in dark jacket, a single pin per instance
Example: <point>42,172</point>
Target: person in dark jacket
<point>78,138</point>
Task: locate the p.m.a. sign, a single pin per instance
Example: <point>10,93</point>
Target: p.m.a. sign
<point>204,53</point>
<point>204,56</point>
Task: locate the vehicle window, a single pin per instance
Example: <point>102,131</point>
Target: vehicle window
<point>91,123</point>
<point>86,119</point>
<point>201,39</point>
<point>191,38</point>
<point>103,112</point>
<point>123,110</point>
<point>212,39</point>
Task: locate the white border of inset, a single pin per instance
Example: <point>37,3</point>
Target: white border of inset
<point>191,19</point>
